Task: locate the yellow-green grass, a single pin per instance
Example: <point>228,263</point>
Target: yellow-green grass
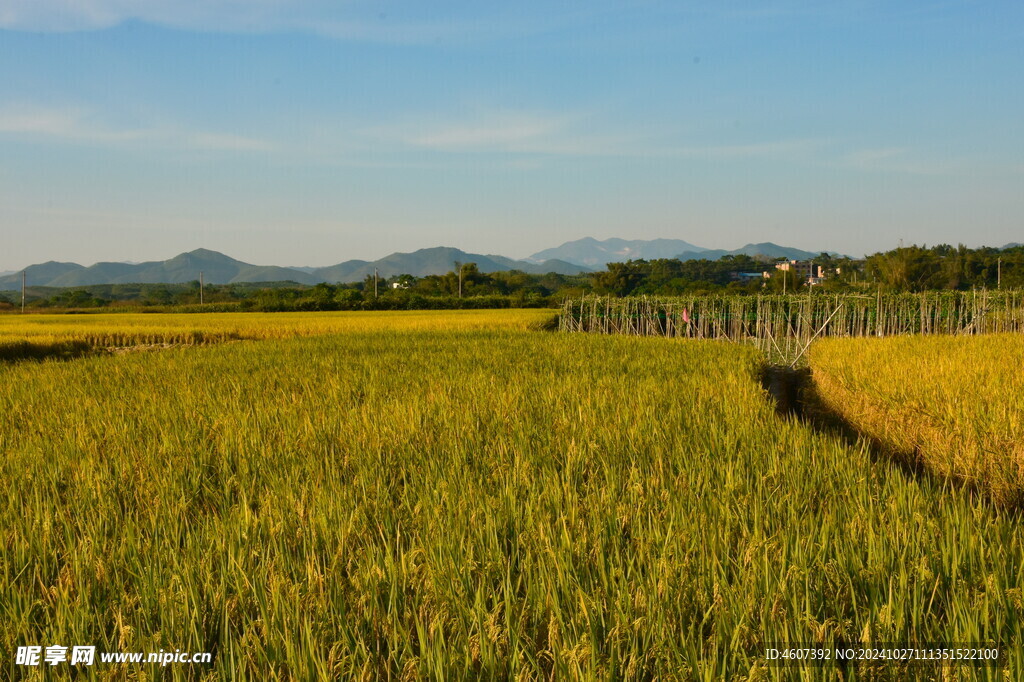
<point>955,403</point>
<point>454,504</point>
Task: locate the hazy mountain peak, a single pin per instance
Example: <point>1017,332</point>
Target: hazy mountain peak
<point>594,253</point>
<point>204,255</point>
<point>769,250</point>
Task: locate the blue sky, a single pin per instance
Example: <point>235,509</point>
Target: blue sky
<point>311,132</point>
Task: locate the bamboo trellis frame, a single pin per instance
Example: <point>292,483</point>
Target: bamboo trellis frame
<point>787,323</point>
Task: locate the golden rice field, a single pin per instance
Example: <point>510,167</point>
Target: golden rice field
<point>955,403</point>
<point>454,496</point>
<point>130,329</point>
<point>41,336</point>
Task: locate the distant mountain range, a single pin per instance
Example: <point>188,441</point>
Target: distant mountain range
<point>581,255</point>
<point>218,268</point>
<point>596,254</point>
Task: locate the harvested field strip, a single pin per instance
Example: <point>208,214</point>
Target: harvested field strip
<point>953,404</point>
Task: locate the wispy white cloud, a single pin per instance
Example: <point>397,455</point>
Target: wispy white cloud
<point>412,23</point>
<point>791,149</point>
<point>506,132</point>
<point>523,138</point>
<point>893,160</point>
<point>76,124</point>
<point>39,121</point>
<point>67,123</point>
<point>224,142</point>
<point>83,15</point>
<point>572,134</point>
<point>532,135</point>
<point>501,132</point>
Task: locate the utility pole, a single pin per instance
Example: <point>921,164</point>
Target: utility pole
<point>458,266</point>
<point>375,282</point>
<point>22,291</point>
<point>200,287</point>
<point>999,273</point>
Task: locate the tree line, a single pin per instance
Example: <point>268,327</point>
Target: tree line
<point>913,268</point>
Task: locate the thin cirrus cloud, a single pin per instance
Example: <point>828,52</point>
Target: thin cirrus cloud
<point>559,136</point>
<point>75,125</point>
<point>503,133</point>
<point>893,160</point>
<point>573,134</point>
<point>513,134</point>
<point>84,15</point>
<point>425,23</point>
<point>533,134</point>
<point>506,133</point>
<point>786,149</point>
